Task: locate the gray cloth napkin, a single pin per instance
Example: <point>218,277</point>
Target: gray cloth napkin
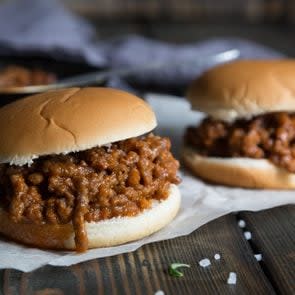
<point>178,60</point>
<point>46,28</point>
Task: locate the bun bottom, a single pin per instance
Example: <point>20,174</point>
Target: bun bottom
<point>104,233</point>
<point>238,172</point>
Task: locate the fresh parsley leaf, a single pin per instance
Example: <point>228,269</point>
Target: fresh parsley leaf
<point>174,271</point>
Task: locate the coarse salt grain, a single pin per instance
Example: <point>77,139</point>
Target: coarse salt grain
<point>232,278</point>
<point>242,223</point>
<point>247,235</point>
<point>217,256</point>
<point>204,262</point>
<point>159,292</point>
<point>258,257</point>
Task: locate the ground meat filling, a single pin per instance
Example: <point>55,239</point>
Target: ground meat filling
<point>269,136</point>
<point>121,179</point>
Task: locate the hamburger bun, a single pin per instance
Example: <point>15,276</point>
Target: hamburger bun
<point>106,233</point>
<point>238,172</point>
<point>245,88</point>
<point>70,120</point>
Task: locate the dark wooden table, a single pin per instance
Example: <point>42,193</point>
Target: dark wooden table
<point>145,270</point>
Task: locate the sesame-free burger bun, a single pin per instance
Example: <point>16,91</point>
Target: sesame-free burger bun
<point>70,120</point>
<point>245,88</point>
<point>104,233</point>
<point>238,172</point>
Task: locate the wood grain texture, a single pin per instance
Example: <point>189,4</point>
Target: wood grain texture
<point>235,11</point>
<point>145,270</point>
<point>273,235</point>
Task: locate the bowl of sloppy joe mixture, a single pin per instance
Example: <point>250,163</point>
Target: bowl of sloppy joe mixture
<point>248,136</point>
<point>81,169</point>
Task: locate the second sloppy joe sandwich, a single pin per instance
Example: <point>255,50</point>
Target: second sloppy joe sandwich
<point>248,136</point>
<point>79,170</point>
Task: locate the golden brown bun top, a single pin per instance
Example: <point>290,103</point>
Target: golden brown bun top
<point>245,88</point>
<point>69,120</point>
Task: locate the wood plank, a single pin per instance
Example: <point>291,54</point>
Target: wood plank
<point>233,11</point>
<point>145,270</point>
<point>273,235</point>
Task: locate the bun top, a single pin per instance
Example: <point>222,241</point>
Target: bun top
<point>245,88</point>
<point>70,120</point>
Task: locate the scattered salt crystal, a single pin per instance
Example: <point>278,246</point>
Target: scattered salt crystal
<point>217,256</point>
<point>247,235</point>
<point>204,262</point>
<point>242,223</point>
<point>258,257</point>
<point>160,292</point>
<point>232,278</point>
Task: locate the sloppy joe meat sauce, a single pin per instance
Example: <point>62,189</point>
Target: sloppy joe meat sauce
<point>269,136</point>
<point>17,76</point>
<point>121,179</point>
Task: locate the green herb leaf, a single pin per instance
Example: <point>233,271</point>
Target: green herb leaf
<point>173,269</point>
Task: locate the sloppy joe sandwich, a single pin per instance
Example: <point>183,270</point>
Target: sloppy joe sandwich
<point>248,136</point>
<point>80,169</point>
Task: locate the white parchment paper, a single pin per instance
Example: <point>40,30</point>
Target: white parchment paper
<point>201,202</point>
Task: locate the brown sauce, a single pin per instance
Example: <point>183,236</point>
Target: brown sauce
<point>100,183</point>
<point>269,136</point>
<point>16,76</point>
